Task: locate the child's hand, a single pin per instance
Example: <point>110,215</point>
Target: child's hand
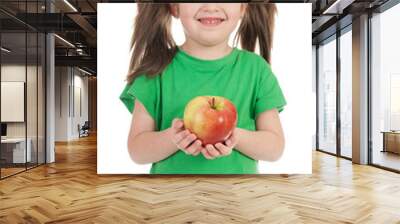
<point>220,149</point>
<point>184,140</point>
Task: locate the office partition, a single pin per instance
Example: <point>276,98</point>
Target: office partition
<point>385,88</point>
<point>22,77</point>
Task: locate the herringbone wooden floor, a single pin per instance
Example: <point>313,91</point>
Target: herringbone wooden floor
<point>70,191</point>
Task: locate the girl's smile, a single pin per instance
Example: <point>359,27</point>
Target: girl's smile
<point>210,21</point>
<point>208,24</point>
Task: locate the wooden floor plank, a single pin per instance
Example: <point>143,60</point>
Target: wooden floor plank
<point>70,191</point>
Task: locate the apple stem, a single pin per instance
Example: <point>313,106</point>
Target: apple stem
<point>213,102</point>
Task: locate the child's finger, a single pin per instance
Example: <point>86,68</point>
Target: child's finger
<point>230,134</point>
<point>228,143</point>
<point>199,149</point>
<point>223,149</point>
<point>231,141</point>
<point>193,147</point>
<point>177,124</point>
<point>197,152</point>
<point>184,143</point>
<point>212,151</point>
<point>180,136</point>
<point>206,154</point>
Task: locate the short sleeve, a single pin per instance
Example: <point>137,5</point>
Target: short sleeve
<point>143,88</point>
<point>269,93</point>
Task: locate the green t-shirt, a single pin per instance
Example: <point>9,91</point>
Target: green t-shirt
<point>243,77</point>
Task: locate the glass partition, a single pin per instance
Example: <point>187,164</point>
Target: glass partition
<point>385,89</point>
<point>346,94</point>
<point>327,96</point>
<point>22,67</point>
<point>41,107</point>
<point>13,104</point>
<point>31,100</point>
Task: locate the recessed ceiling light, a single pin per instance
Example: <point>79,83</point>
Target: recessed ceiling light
<point>64,40</point>
<point>5,50</point>
<point>337,7</point>
<point>70,5</point>
<point>84,71</point>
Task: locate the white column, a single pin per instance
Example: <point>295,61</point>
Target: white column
<point>360,90</point>
<point>50,92</point>
<point>50,100</point>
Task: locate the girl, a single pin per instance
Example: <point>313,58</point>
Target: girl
<point>164,77</point>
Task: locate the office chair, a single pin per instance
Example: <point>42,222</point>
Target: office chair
<point>84,130</point>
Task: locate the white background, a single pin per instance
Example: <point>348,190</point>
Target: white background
<point>291,63</point>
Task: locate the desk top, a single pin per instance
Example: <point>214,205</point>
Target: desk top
<point>391,132</point>
<point>13,140</point>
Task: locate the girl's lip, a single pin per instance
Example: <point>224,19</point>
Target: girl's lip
<point>211,21</point>
<point>210,17</point>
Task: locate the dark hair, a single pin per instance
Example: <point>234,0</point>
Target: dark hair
<point>153,46</point>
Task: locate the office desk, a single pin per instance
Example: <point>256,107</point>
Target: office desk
<point>391,141</point>
<point>15,148</point>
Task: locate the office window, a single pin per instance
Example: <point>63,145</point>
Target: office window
<point>346,94</point>
<point>41,79</point>
<point>22,92</point>
<point>31,100</point>
<point>385,89</point>
<point>327,96</point>
<point>14,153</point>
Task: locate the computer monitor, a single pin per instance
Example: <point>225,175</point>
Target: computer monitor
<point>3,129</point>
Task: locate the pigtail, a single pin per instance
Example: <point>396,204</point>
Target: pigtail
<point>257,24</point>
<point>152,45</point>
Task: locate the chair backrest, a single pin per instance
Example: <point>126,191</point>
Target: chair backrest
<point>86,124</point>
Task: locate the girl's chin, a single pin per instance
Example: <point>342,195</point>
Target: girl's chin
<point>208,38</point>
<point>210,43</point>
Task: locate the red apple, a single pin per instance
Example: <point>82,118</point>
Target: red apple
<point>210,118</point>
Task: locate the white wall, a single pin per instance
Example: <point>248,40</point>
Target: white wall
<point>67,115</point>
<point>81,83</point>
<point>12,101</point>
<point>12,73</point>
<point>33,127</point>
<point>61,103</point>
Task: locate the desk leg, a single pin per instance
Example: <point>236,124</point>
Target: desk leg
<point>384,142</point>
